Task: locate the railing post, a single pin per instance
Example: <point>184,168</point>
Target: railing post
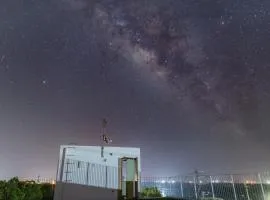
<point>234,191</point>
<point>67,168</point>
<point>195,188</point>
<point>87,173</point>
<point>246,187</point>
<point>212,187</point>
<point>106,177</point>
<point>170,184</point>
<point>261,183</point>
<point>181,187</point>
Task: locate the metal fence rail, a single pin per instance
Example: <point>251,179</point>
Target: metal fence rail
<point>227,187</point>
<point>197,186</point>
<point>91,174</point>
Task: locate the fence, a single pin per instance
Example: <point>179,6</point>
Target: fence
<point>197,186</point>
<point>91,174</point>
<point>227,187</point>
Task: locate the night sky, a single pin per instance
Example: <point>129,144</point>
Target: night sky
<point>187,81</point>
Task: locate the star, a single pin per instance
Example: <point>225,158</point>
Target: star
<point>44,82</point>
<point>200,69</point>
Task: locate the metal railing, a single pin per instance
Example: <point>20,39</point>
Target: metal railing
<point>227,187</point>
<point>91,174</point>
<point>195,186</point>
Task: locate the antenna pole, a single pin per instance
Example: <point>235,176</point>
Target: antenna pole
<point>104,125</point>
<point>104,137</point>
<point>103,130</point>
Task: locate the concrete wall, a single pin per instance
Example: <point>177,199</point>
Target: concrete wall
<point>91,174</point>
<point>93,154</point>
<point>99,166</point>
<point>67,191</point>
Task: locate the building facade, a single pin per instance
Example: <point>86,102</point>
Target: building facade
<point>98,167</point>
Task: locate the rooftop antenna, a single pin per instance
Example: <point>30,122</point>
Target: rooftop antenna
<point>105,138</point>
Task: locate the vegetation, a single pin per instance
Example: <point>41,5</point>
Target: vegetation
<point>47,191</point>
<point>29,190</point>
<point>150,192</point>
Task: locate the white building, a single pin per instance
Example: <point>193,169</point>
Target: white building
<point>97,172</point>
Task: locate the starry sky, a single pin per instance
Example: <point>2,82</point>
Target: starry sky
<point>187,81</point>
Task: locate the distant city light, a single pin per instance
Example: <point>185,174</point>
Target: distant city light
<point>163,194</point>
<point>250,182</point>
<point>163,181</point>
<point>268,182</point>
<point>172,181</point>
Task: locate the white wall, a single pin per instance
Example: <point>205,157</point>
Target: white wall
<point>93,154</point>
<point>67,191</point>
<point>97,169</point>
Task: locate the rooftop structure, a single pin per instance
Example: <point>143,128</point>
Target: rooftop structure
<point>98,172</point>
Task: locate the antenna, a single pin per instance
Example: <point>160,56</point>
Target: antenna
<point>104,136</point>
<point>104,125</point>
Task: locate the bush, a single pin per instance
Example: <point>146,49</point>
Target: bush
<point>47,191</point>
<point>151,192</point>
<point>16,190</point>
<point>3,186</point>
<point>32,191</point>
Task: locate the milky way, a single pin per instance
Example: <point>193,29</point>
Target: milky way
<point>215,59</point>
<point>184,80</point>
